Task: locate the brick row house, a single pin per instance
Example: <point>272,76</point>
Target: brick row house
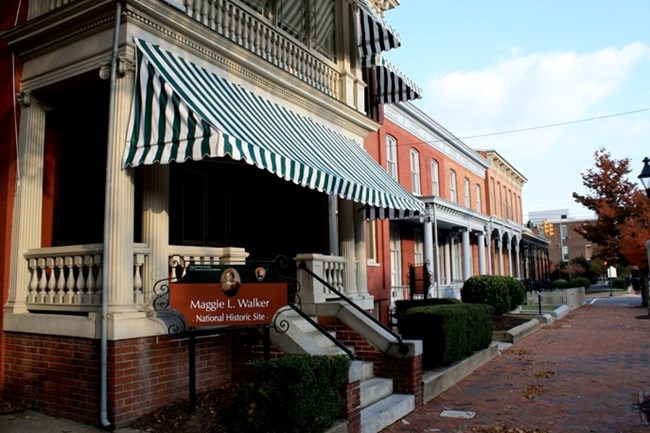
<point>148,139</point>
<point>473,224</point>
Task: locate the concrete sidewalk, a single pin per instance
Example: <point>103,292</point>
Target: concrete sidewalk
<point>34,422</point>
<point>585,372</point>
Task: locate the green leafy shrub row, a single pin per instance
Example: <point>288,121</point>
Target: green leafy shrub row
<point>619,283</point>
<point>501,292</point>
<point>291,394</point>
<point>576,282</point>
<point>448,332</point>
<point>402,306</point>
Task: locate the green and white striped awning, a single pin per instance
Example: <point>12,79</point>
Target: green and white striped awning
<point>182,111</point>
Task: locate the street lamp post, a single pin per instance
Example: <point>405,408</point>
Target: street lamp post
<point>644,177</point>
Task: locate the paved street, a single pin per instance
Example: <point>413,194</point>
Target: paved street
<point>583,373</point>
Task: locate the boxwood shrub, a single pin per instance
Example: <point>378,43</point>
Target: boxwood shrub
<point>290,394</point>
<point>448,332</point>
<point>402,306</point>
<point>502,292</point>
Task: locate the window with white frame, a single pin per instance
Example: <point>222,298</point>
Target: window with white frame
<point>415,172</point>
<point>391,156</point>
<point>466,186</point>
<point>395,256</point>
<point>478,198</point>
<point>418,243</point>
<point>453,194</point>
<point>371,241</point>
<point>435,178</point>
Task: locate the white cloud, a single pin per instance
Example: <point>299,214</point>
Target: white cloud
<point>529,90</point>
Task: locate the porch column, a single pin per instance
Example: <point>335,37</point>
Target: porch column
<point>360,250</point>
<point>28,206</point>
<point>428,246</point>
<point>119,209</point>
<point>488,245</point>
<point>347,250</point>
<point>467,251</point>
<point>518,259</point>
<point>155,226</point>
<point>448,258</point>
<point>500,246</point>
<point>509,248</point>
<point>481,253</point>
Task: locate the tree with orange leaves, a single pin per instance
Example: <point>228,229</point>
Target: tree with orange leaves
<point>623,215</point>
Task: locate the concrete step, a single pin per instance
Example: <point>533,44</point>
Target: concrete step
<point>375,389</point>
<point>385,412</point>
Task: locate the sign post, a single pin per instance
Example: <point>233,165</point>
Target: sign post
<point>217,298</point>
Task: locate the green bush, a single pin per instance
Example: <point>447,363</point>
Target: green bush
<point>402,306</point>
<point>561,284</point>
<point>291,394</point>
<point>619,283</point>
<point>580,282</point>
<point>503,293</point>
<point>448,332</point>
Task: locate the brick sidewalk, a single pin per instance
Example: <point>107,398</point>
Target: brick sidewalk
<point>583,373</point>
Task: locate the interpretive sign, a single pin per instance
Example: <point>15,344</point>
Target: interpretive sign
<point>228,295</point>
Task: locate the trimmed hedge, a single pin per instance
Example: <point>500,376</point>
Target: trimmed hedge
<point>291,394</point>
<point>448,332</point>
<point>402,306</point>
<point>501,292</point>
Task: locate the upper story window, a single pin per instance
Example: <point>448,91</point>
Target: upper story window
<point>453,194</point>
<point>493,198</point>
<point>418,244</point>
<point>466,186</point>
<point>391,156</point>
<point>415,172</point>
<point>312,22</point>
<point>479,206</point>
<point>435,178</point>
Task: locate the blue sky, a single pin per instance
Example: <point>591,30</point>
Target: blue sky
<point>491,66</point>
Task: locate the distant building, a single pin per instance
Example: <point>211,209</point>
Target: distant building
<point>565,243</point>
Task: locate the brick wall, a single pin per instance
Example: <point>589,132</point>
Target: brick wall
<point>60,376</point>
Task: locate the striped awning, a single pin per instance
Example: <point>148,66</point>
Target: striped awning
<point>374,35</point>
<point>182,111</point>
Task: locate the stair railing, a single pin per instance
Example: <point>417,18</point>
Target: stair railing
<point>403,348</point>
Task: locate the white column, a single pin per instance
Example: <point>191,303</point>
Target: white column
<point>467,254</point>
<point>119,206</point>
<point>481,253</point>
<point>500,245</point>
<point>155,225</point>
<point>347,247</point>
<point>518,259</point>
<point>360,250</point>
<point>448,247</point>
<point>427,233</point>
<point>28,205</point>
<point>488,245</point>
<point>509,249</point>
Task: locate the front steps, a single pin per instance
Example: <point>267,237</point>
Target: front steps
<point>380,406</point>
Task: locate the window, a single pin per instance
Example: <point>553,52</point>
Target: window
<point>391,156</point>
<point>493,198</point>
<point>371,241</point>
<point>415,172</point>
<point>466,186</point>
<point>478,198</point>
<point>311,22</point>
<point>435,180</point>
<point>395,256</point>
<point>453,195</point>
<point>418,244</point>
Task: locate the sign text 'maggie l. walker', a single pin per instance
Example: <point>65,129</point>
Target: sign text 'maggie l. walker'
<point>228,296</point>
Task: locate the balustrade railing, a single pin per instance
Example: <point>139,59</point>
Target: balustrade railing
<point>249,31</point>
<point>69,279</point>
<point>329,268</point>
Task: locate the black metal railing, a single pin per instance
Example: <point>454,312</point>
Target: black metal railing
<point>403,348</point>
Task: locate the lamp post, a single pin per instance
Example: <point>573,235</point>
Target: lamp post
<point>644,177</point>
